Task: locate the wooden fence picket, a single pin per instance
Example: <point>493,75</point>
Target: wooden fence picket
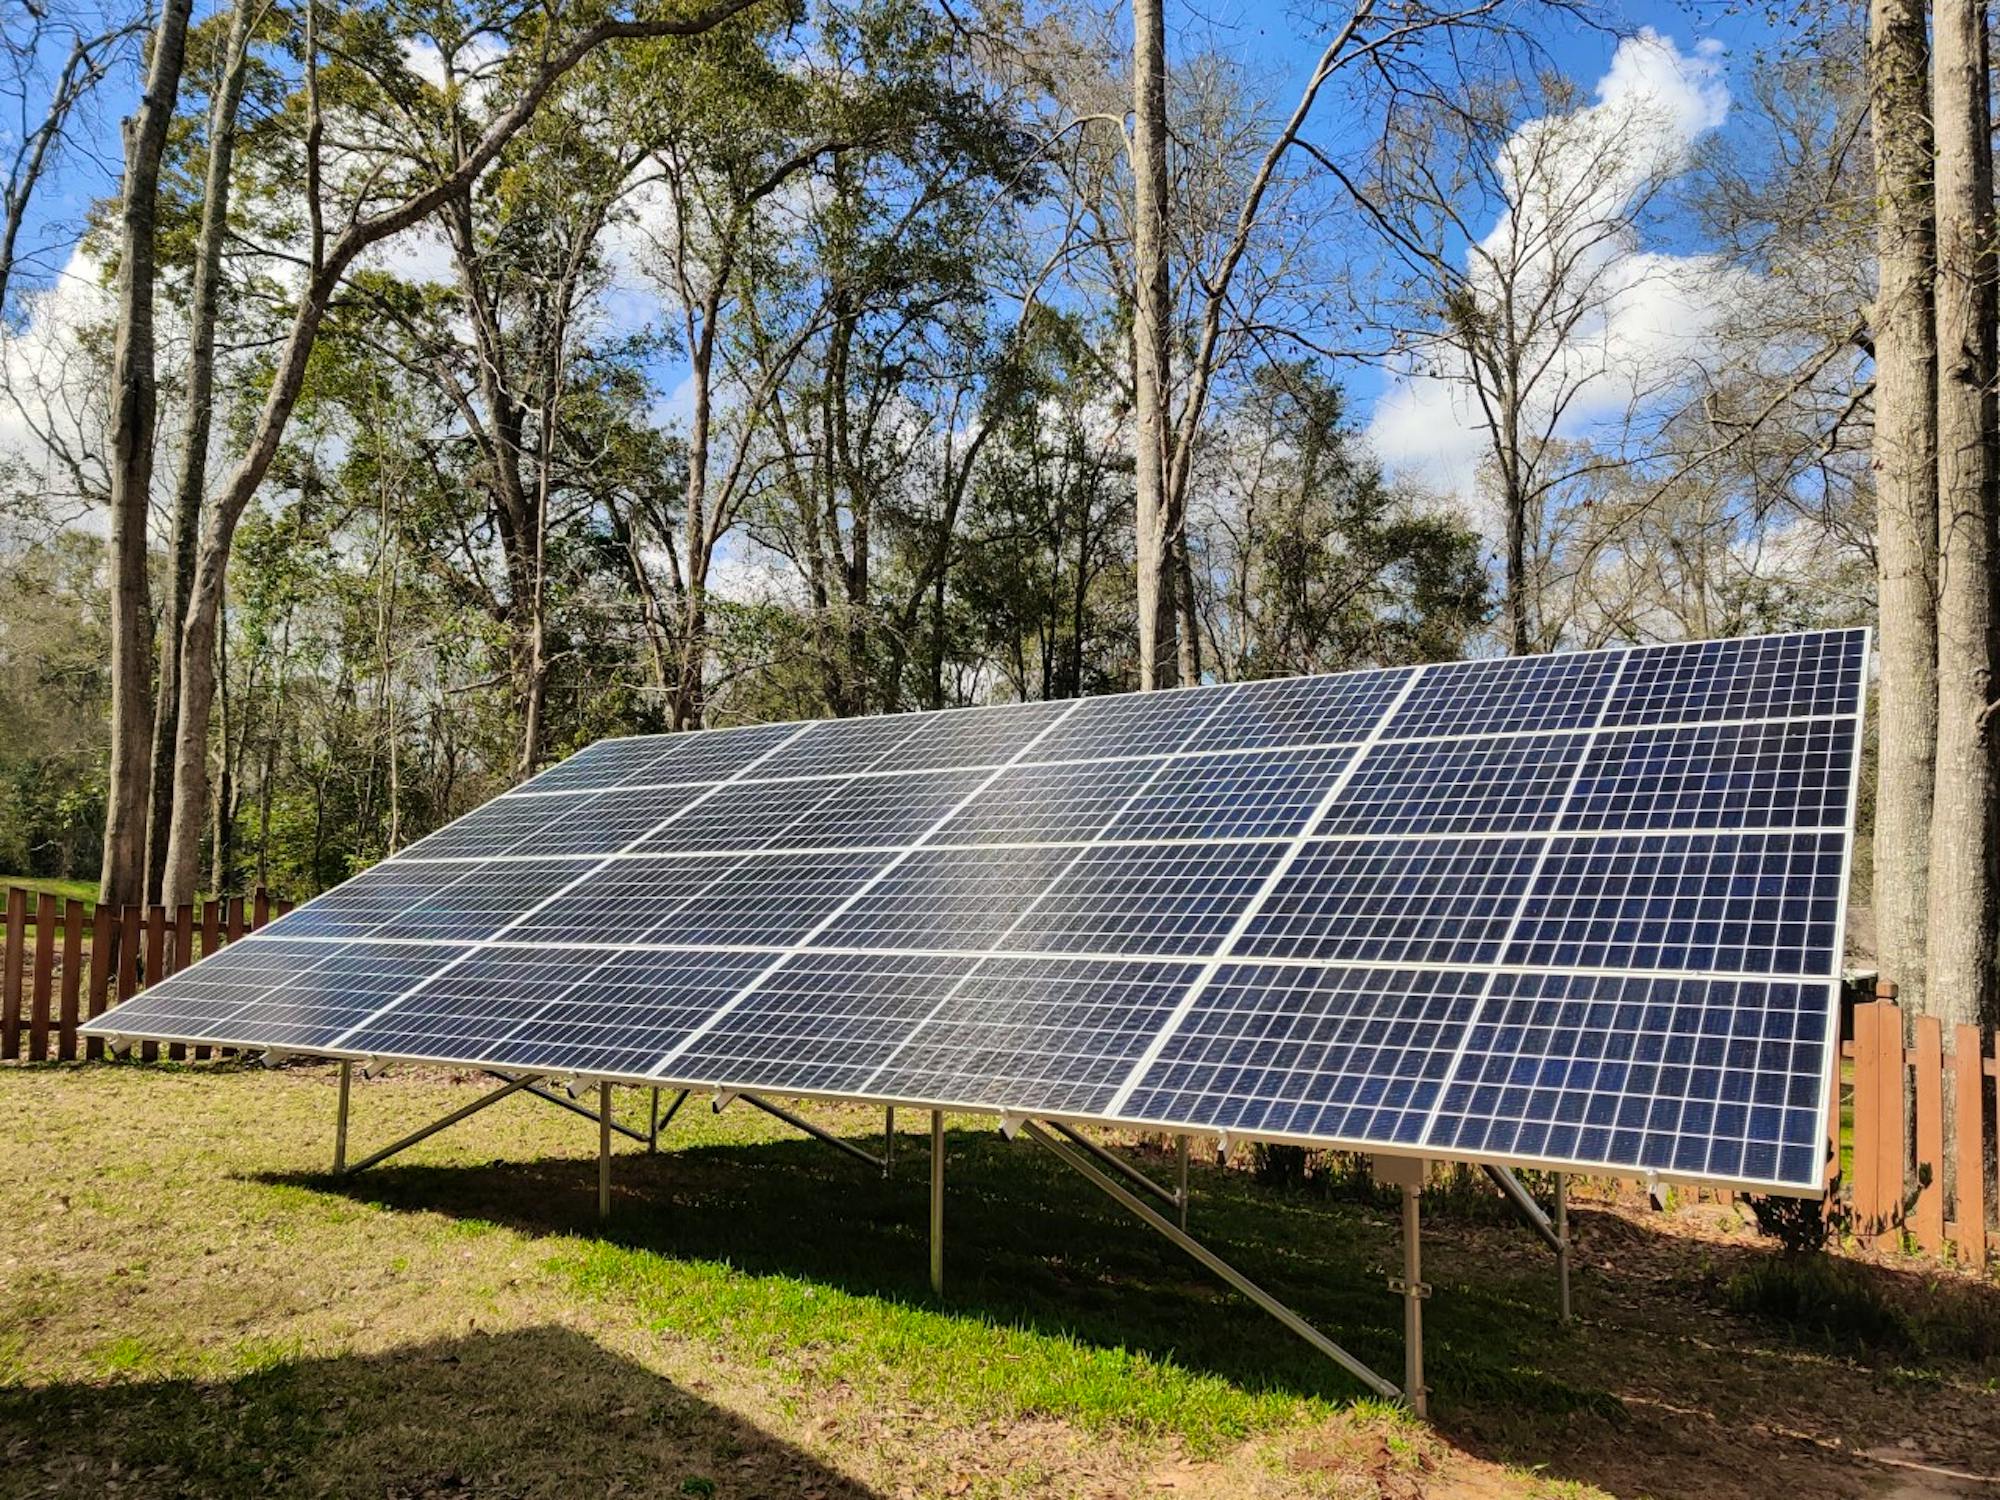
<point>10,973</point>
<point>43,995</point>
<point>1968,1090</point>
<point>72,979</point>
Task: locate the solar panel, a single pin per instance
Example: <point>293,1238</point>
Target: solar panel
<point>1580,911</point>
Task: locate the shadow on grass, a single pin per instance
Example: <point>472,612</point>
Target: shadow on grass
<point>541,1411</point>
<point>1030,1246</point>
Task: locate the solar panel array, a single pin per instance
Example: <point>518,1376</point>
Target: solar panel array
<point>1580,910</point>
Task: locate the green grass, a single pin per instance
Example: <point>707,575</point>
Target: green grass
<point>62,890</point>
<point>189,1305</point>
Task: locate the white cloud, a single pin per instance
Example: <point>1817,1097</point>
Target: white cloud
<point>1572,181</point>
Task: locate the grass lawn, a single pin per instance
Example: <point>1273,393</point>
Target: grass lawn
<point>63,890</point>
<point>189,1306</point>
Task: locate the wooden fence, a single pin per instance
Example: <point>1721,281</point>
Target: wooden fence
<point>65,961</point>
<point>1902,1183</point>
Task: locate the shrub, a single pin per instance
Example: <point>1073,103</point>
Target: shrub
<point>1799,1225</point>
<point>1820,1298</point>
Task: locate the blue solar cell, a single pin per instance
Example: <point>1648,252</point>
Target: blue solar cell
<point>1716,1078</point>
<point>769,900</point>
<point>496,827</point>
<point>1146,899</point>
<point>1396,901</point>
<point>624,900</point>
<point>1509,785</point>
<point>1042,804</point>
<point>206,1000</point>
<point>1356,1055</point>
<point>606,822</point>
<point>1129,724</point>
<point>834,747</point>
<point>1511,694</point>
<point>1052,1034</point>
<point>1301,711</point>
<point>821,1022</point>
<point>1248,794</point>
<point>972,736</point>
<point>1728,902</point>
<point>1770,677</point>
<point>880,810</point>
<point>485,902</point>
<point>373,899</point>
<point>961,900</point>
<point>462,1013</point>
<point>628,1013</point>
<point>1797,773</point>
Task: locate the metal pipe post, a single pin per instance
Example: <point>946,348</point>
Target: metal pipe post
<point>937,1202</point>
<point>604,1151</point>
<point>1414,1292</point>
<point>653,1124</point>
<point>1562,1242</point>
<point>340,1129</point>
<point>889,1140</point>
<point>1180,1178</point>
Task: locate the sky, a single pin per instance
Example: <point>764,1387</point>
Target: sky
<point>1679,58</point>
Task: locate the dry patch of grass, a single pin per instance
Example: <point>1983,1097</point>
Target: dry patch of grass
<point>188,1306</point>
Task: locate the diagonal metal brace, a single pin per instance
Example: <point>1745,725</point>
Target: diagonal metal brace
<point>1524,1205</point>
<point>1553,1233</point>
<point>426,1132</point>
<point>799,1122</point>
<point>1117,1163</point>
<point>1083,1165</point>
<point>563,1101</point>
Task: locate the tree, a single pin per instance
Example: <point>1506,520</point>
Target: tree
<point>134,406</point>
<point>1522,332</point>
<point>1159,524</point>
<point>191,475</point>
<point>1906,408</point>
<point>376,212</point>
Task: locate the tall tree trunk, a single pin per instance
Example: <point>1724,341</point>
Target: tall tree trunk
<point>1150,361</point>
<point>1906,499</point>
<point>134,405</point>
<point>192,478</point>
<point>1962,929</point>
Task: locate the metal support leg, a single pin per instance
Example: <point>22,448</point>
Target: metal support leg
<point>889,1141</point>
<point>653,1124</point>
<point>1414,1291</point>
<point>340,1129</point>
<point>1081,1163</point>
<point>937,1202</point>
<point>482,1102</point>
<point>1562,1243</point>
<point>1180,1178</point>
<point>604,1151</point>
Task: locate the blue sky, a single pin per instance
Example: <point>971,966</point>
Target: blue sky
<point>1278,39</point>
